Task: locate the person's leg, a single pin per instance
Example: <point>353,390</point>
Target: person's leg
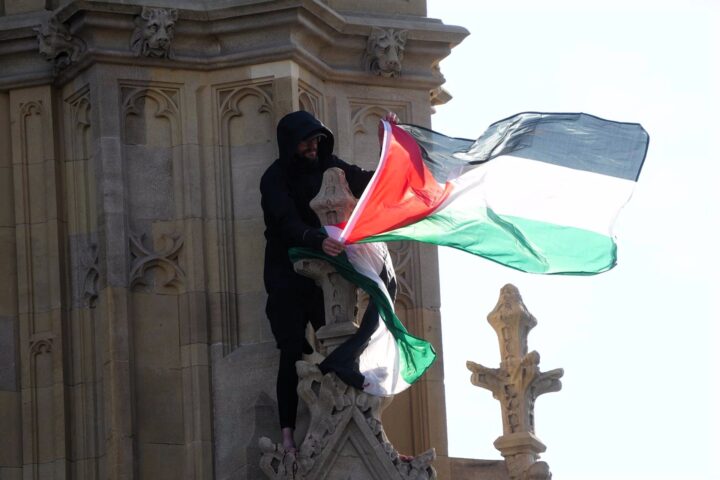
<point>344,360</point>
<point>287,321</point>
<point>287,396</point>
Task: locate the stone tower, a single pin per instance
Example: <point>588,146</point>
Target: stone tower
<point>133,339</point>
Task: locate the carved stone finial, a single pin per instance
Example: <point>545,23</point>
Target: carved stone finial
<point>340,297</point>
<point>384,51</point>
<point>517,384</point>
<point>334,202</point>
<point>154,32</point>
<point>57,45</point>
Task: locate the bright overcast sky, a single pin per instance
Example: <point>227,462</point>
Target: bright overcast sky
<point>639,344</point>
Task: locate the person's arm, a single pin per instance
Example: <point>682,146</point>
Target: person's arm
<point>357,178</point>
<point>280,211</point>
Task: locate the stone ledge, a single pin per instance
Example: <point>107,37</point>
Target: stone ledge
<point>306,31</point>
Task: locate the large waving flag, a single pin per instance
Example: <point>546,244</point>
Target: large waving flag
<point>538,192</point>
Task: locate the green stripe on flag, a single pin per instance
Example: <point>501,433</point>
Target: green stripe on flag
<point>527,245</point>
<point>416,354</point>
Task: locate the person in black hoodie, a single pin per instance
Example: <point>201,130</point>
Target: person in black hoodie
<point>305,147</point>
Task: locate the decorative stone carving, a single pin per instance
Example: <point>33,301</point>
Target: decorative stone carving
<point>57,45</point>
<point>516,384</point>
<point>31,116</point>
<point>245,126</point>
<point>79,125</point>
<point>384,51</point>
<point>165,261</point>
<point>309,104</point>
<point>167,100</point>
<point>333,204</point>
<point>41,345</point>
<point>345,438</point>
<point>309,100</point>
<point>154,32</point>
<point>91,275</point>
<point>364,116</point>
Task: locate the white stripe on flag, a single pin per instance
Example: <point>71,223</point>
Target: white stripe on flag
<point>542,191</point>
<point>380,361</point>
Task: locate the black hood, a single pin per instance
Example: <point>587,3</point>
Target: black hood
<point>296,127</point>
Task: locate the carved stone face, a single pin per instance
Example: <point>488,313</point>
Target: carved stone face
<point>57,45</point>
<point>49,37</point>
<point>385,50</point>
<point>154,32</point>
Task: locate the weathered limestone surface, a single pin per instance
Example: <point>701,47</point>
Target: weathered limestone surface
<point>133,339</point>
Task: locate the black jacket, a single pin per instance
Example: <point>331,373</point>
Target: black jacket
<point>287,187</point>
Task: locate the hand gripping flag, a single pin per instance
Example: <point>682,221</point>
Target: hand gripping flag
<point>538,192</point>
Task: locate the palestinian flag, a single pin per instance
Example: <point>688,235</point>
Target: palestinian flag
<point>538,192</point>
<point>389,359</point>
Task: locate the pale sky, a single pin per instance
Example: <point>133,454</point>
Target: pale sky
<point>638,344</point>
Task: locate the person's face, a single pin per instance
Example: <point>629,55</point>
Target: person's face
<point>308,149</point>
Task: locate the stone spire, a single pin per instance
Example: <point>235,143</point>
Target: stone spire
<point>516,384</point>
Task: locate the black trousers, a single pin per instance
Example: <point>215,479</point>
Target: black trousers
<point>289,311</point>
<point>299,308</point>
<point>344,360</point>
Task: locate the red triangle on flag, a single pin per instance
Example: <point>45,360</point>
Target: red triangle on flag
<point>402,191</point>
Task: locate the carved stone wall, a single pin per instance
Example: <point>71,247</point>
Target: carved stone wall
<point>84,268</point>
<point>11,441</point>
<point>133,338</point>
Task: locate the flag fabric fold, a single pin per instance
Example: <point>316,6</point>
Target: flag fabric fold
<point>538,192</point>
<point>392,358</point>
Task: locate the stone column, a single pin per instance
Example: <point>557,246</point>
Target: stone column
<point>516,384</point>
<point>11,460</point>
<point>39,228</point>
